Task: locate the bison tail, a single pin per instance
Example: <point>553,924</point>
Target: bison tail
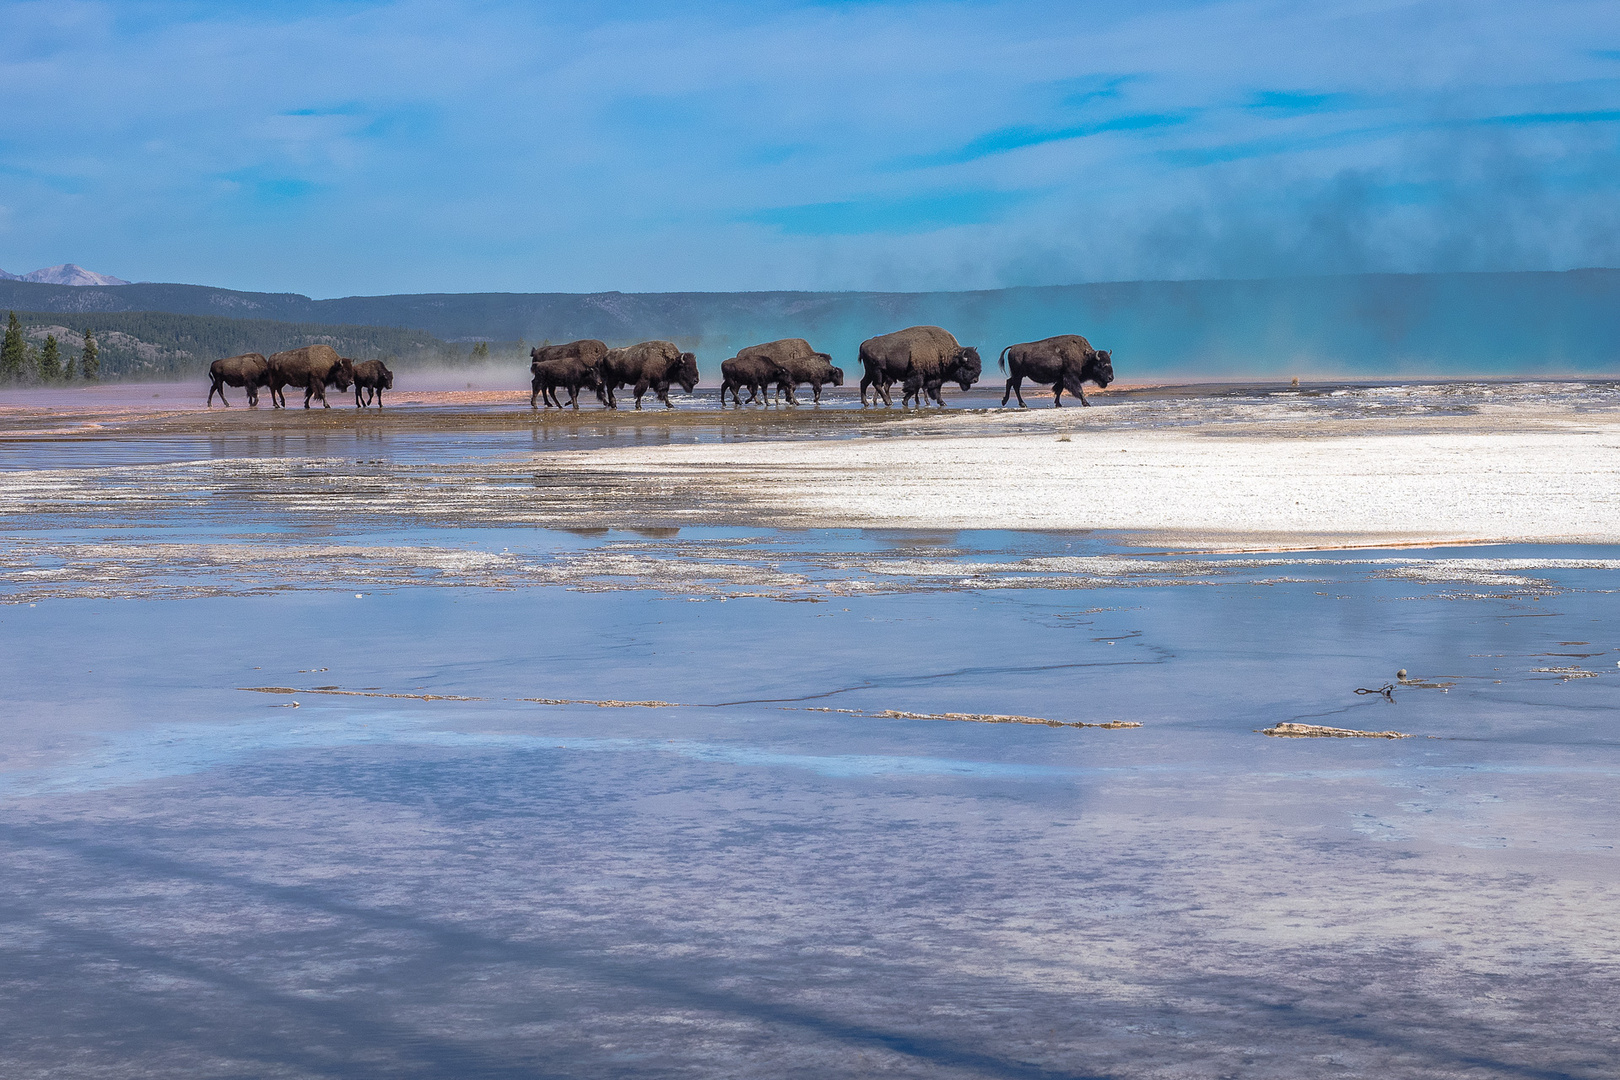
<point>1002,361</point>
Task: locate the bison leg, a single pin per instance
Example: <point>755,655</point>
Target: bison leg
<point>534,393</point>
<point>641,390</point>
<point>1007,393</point>
<point>253,396</point>
<point>1083,400</point>
<point>1057,395</point>
<point>866,380</point>
<point>219,388</point>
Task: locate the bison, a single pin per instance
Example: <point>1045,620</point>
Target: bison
<point>314,367</point>
<point>574,366</point>
<point>250,370</point>
<point>373,377</point>
<point>964,371</point>
<point>800,364</point>
<point>571,373</point>
<point>588,351</point>
<point>653,365</point>
<point>1064,362</point>
<point>756,372</point>
<point>927,354</point>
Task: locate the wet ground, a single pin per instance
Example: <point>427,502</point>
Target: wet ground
<point>306,778</point>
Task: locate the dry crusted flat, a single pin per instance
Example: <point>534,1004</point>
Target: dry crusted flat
<point>1316,731</point>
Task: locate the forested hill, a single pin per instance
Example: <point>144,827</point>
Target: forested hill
<point>1372,324</point>
<point>155,345</point>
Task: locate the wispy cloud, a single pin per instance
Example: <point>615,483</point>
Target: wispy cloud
<point>1296,104</point>
<point>892,216</point>
<point>1017,138</point>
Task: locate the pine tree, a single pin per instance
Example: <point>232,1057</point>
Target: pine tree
<point>13,352</point>
<point>481,351</point>
<point>30,364</point>
<point>90,359</point>
<point>50,360</point>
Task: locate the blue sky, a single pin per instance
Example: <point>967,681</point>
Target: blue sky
<point>346,148</point>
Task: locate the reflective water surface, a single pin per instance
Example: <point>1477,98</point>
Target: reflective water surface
<point>293,792</point>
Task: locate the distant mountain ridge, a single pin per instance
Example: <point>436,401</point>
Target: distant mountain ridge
<point>65,274</point>
<point>1367,324</point>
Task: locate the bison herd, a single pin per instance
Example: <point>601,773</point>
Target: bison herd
<point>920,360</point>
<point>314,367</point>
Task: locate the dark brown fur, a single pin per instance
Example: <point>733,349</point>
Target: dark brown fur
<point>754,371</point>
<point>927,355</point>
<point>650,365</point>
<point>250,370</point>
<point>1064,363</point>
<point>373,377</point>
<point>314,367</point>
<point>571,373</point>
<point>801,363</point>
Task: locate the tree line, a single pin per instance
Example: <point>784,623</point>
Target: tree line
<point>21,361</point>
<point>46,348</point>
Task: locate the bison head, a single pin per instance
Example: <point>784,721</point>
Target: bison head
<point>1099,368</point>
<point>341,374</point>
<point>966,367</point>
<point>686,372</point>
<point>837,374</point>
<point>387,378</point>
<point>534,354</point>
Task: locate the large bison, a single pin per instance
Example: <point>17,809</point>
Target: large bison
<point>650,365</point>
<point>756,372</point>
<point>1064,363</point>
<point>571,373</point>
<point>250,370</point>
<point>373,377</point>
<point>925,355</point>
<point>314,367</point>
<point>800,363</point>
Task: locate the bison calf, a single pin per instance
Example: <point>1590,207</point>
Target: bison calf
<point>373,377</point>
<point>571,373</point>
<point>756,373</point>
